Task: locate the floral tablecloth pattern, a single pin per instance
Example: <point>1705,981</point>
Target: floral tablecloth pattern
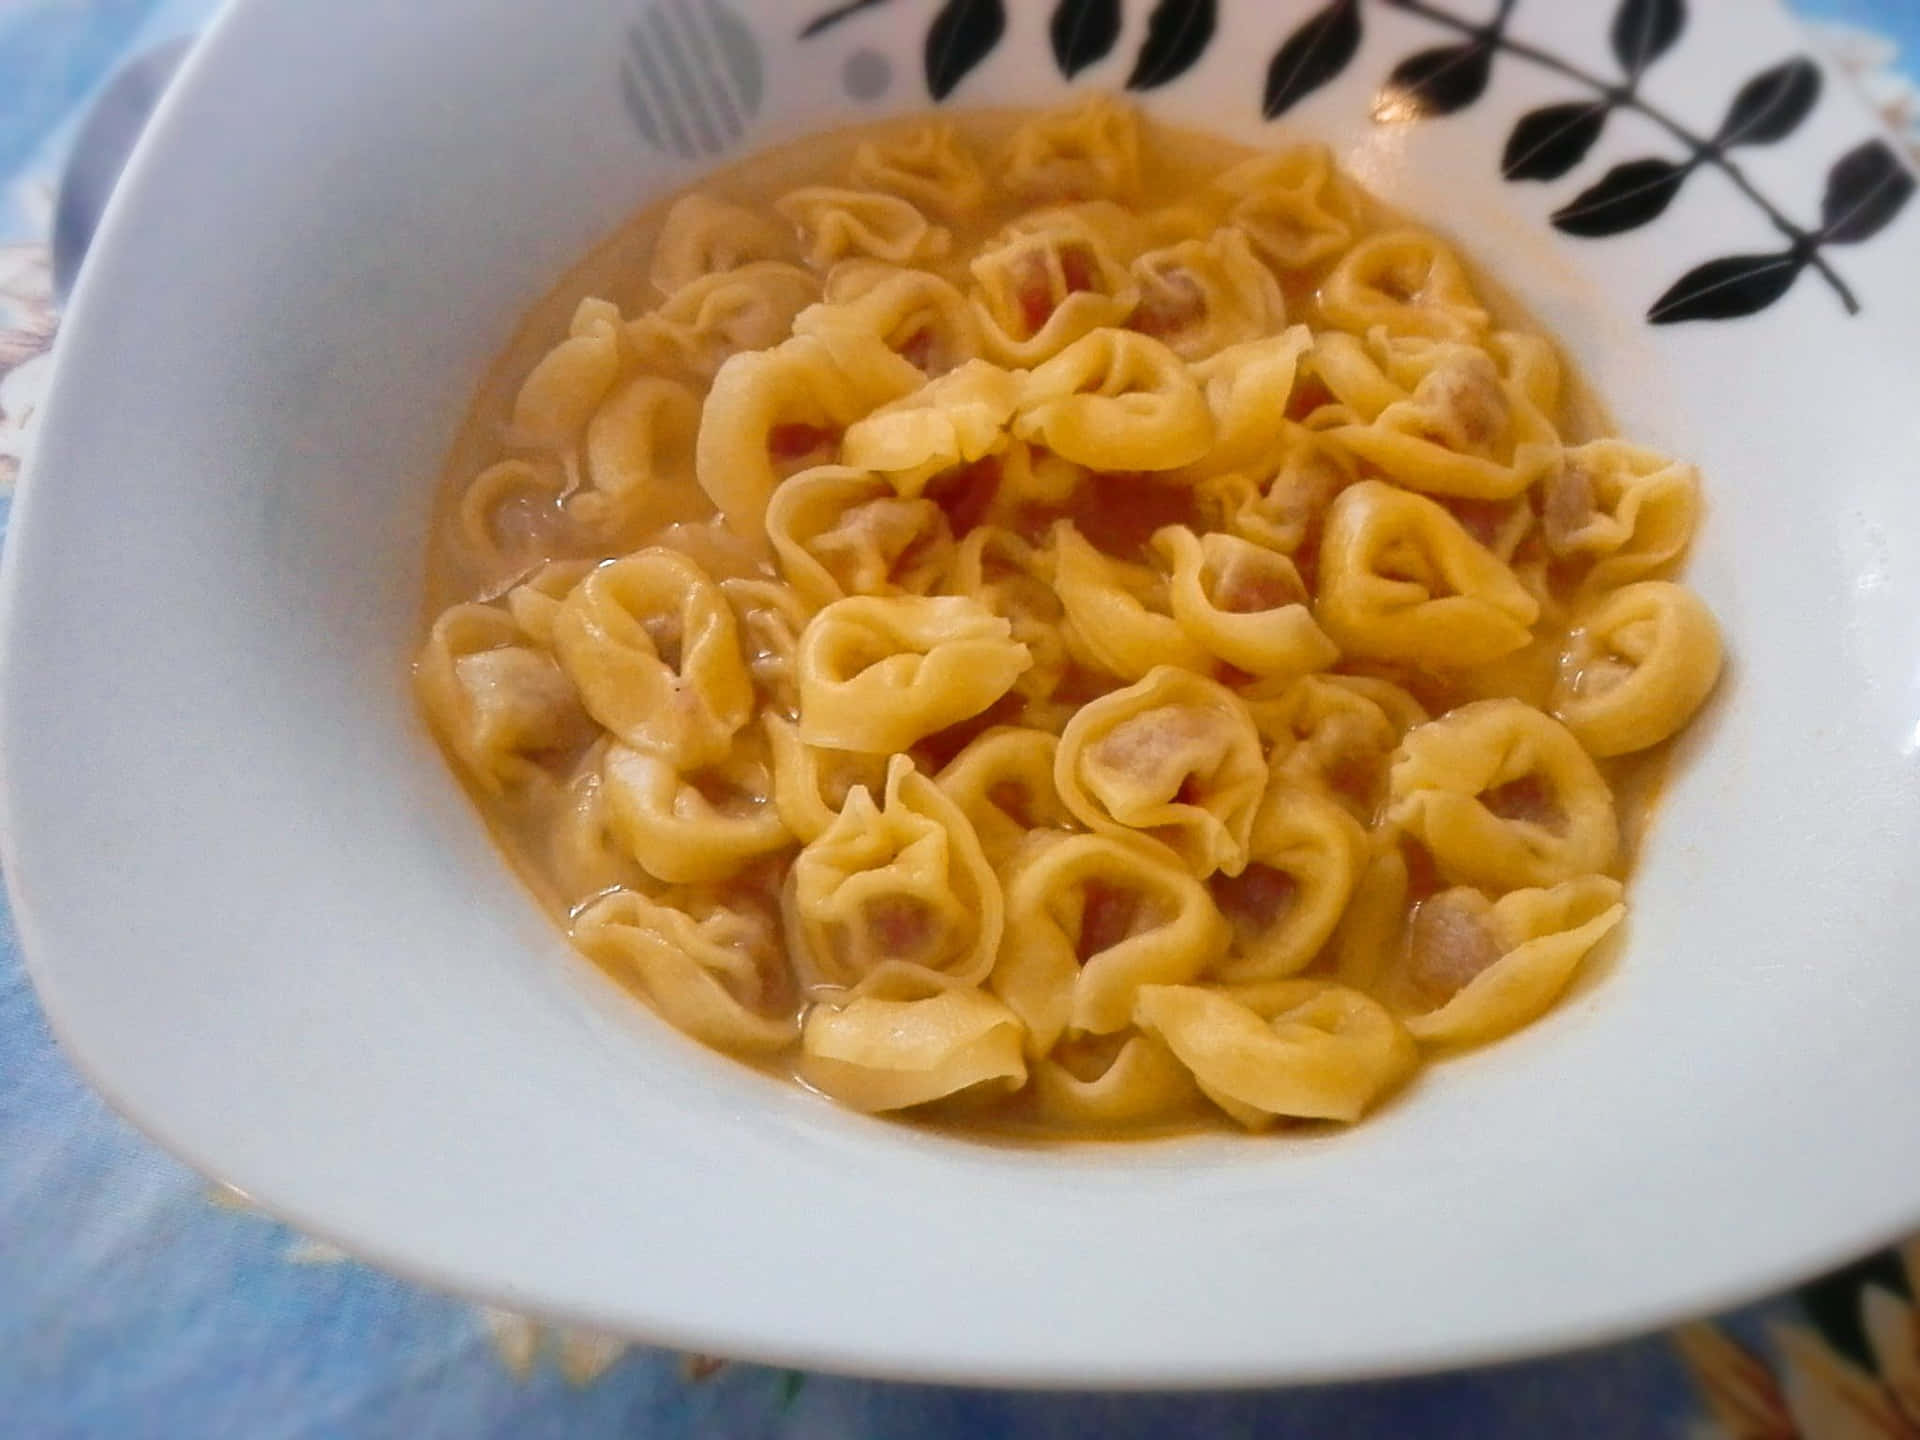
<point>137,1301</point>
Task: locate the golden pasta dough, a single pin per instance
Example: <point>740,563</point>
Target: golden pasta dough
<point>1054,625</point>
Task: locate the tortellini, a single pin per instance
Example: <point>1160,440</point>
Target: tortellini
<point>1487,967</point>
<point>692,828</point>
<point>1406,282</point>
<point>839,531</point>
<point>1174,756</point>
<point>1199,296</point>
<point>1301,1049</point>
<point>1503,796</point>
<point>1088,153</point>
<point>499,703</point>
<point>1637,667</point>
<point>1243,603</point>
<point>770,412</point>
<point>895,892</point>
<point>1401,579</point>
<point>932,166</point>
<point>918,315</point>
<point>1114,400</point>
<point>1092,918</point>
<point>880,1054</point>
<point>1630,510</point>
<point>837,224</point>
<point>1033,626</point>
<point>1037,291</point>
<point>713,971</point>
<point>877,674</point>
<point>1293,206</point>
<point>652,645</point>
<point>702,236</point>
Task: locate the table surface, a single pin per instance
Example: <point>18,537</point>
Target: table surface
<point>135,1300</point>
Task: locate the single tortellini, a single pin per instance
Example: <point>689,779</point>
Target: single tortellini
<point>653,647</point>
<point>713,971</point>
<point>811,784</point>
<point>1335,733</point>
<point>639,453</point>
<point>877,1054</point>
<point>509,512</point>
<point>1200,296</point>
<point>1243,603</point>
<point>1502,796</point>
<point>770,617</point>
<point>931,166</point>
<point>712,318</point>
<point>1174,756</point>
<point>1294,206</point>
<point>1117,614</point>
<point>1036,291</point>
<point>1118,1080</point>
<point>919,316</point>
<point>1114,400</point>
<point>1637,667</point>
<point>563,390</point>
<point>1408,282</point>
<point>1447,418</point>
<point>1281,503</point>
<point>1487,967</point>
<point>1630,510</point>
<point>773,412</point>
<point>1014,580</point>
<point>1003,784</point>
<point>1089,152</point>
<point>895,892</point>
<point>1246,388</point>
<point>1401,579</point>
<point>1306,854</point>
<point>500,704</point>
<point>879,673</point>
<point>1090,919</point>
<point>839,531</point>
<point>836,224</point>
<point>949,422</point>
<point>1300,1049</point>
<point>704,236</point>
<point>692,828</point>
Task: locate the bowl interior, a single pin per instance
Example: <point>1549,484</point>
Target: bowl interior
<point>268,925</point>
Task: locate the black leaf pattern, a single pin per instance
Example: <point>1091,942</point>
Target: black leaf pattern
<point>1866,188</point>
<point>1772,104</point>
<point>1550,141</point>
<point>1177,35</point>
<point>1435,82</point>
<point>1728,288</point>
<point>1323,46</point>
<point>1083,32</point>
<point>961,36</point>
<point>1625,198</point>
<point>1644,30</point>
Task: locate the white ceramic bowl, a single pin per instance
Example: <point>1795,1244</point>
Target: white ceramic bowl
<point>267,925</point>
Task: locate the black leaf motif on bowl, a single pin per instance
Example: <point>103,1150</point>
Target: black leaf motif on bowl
<point>1178,33</point>
<point>961,36</point>
<point>1550,141</point>
<point>1083,33</point>
<point>1316,52</point>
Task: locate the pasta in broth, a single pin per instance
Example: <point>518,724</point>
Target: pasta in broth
<point>1050,624</point>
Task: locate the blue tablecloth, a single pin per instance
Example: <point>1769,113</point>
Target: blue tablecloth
<point>137,1301</point>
